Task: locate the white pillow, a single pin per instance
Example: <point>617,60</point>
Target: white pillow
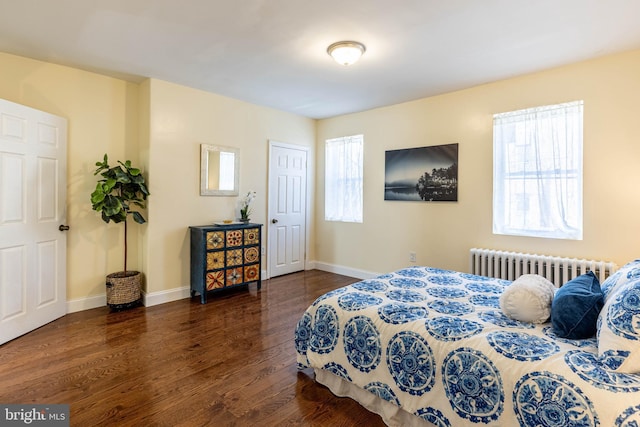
<point>528,299</point>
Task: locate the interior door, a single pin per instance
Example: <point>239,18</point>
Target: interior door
<point>32,208</point>
<point>287,208</point>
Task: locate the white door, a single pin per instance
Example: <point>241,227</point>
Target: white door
<point>287,208</point>
<point>32,208</point>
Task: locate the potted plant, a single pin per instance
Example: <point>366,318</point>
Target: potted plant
<point>245,206</point>
<point>119,189</point>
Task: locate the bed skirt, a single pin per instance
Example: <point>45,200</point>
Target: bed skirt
<point>391,414</point>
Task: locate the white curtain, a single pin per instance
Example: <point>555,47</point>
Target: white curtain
<point>343,179</point>
<point>537,182</point>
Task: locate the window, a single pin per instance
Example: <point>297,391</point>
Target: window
<point>537,172</point>
<point>343,179</point>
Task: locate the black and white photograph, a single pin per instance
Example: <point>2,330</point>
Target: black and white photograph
<point>428,174</point>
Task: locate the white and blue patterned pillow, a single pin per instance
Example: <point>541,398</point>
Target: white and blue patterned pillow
<point>619,329</point>
<point>624,275</point>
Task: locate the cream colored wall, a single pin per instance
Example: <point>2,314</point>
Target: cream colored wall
<point>442,233</point>
<point>180,120</point>
<point>103,117</point>
<point>160,125</point>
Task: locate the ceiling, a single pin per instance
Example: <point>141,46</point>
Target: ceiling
<point>273,52</point>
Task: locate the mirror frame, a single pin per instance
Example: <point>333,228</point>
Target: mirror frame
<point>205,149</point>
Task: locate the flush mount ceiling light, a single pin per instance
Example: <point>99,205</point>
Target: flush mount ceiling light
<point>347,52</point>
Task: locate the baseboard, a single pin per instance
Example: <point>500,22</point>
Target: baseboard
<point>345,271</point>
<point>148,300</point>
<point>161,297</point>
<point>174,294</point>
<point>88,303</point>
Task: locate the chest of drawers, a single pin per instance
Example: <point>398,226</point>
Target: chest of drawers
<point>224,256</point>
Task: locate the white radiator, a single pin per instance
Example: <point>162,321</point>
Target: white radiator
<point>511,265</point>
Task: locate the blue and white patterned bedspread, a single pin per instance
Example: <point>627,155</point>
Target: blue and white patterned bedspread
<point>436,343</point>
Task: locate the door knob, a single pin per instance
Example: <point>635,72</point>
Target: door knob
<point>63,227</point>
<point>274,221</point>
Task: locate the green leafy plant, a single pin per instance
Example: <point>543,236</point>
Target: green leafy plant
<point>120,188</point>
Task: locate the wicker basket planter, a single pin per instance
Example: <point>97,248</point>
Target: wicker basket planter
<point>123,289</point>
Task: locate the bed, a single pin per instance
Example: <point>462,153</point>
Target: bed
<point>426,346</point>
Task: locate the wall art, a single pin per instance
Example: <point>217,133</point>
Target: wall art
<point>428,174</point>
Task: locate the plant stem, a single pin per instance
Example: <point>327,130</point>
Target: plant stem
<point>125,247</point>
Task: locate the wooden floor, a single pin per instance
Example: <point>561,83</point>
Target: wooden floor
<point>230,362</point>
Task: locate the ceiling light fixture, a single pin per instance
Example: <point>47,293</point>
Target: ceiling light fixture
<point>346,52</point>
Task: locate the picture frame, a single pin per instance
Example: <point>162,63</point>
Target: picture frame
<point>428,174</point>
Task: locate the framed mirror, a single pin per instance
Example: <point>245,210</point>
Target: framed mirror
<point>219,170</point>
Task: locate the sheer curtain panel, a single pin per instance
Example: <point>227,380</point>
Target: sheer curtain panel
<point>343,179</point>
<point>537,172</point>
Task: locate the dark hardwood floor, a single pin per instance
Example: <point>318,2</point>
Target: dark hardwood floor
<point>230,362</point>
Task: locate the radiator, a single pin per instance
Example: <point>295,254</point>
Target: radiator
<point>558,270</point>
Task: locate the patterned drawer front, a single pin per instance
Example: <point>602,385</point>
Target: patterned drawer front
<point>215,260</point>
<point>251,255</point>
<point>234,257</point>
<point>234,238</point>
<point>251,273</point>
<point>234,276</point>
<point>215,240</point>
<point>251,236</point>
<point>215,280</point>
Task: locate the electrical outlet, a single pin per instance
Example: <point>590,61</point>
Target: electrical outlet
<point>412,257</point>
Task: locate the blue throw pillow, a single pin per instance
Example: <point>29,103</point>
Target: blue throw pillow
<point>575,307</point>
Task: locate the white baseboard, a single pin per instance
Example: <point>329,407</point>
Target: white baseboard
<point>161,297</point>
<point>340,269</point>
<point>148,300</point>
<point>88,303</point>
<point>174,294</point>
